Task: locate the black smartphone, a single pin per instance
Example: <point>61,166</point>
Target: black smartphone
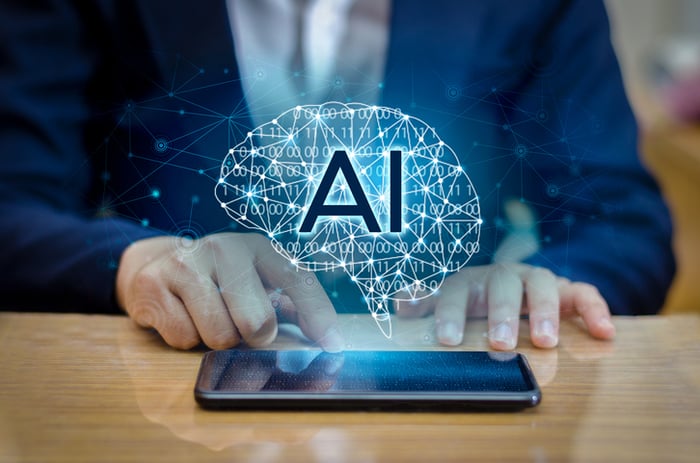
<point>365,380</point>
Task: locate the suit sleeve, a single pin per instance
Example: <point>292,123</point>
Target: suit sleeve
<point>602,218</point>
<point>55,253</point>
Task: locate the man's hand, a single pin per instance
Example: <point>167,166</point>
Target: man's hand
<point>503,292</point>
<point>222,289</point>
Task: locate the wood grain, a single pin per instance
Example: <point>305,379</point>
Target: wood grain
<point>77,388</point>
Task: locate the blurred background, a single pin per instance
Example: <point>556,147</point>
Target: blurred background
<point>658,45</point>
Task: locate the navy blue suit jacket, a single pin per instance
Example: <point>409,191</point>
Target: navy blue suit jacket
<point>115,116</point>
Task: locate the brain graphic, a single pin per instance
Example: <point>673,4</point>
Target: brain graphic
<point>412,213</point>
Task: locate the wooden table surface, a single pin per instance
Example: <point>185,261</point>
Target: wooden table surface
<point>80,388</point>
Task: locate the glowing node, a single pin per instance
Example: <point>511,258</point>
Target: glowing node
<point>269,188</point>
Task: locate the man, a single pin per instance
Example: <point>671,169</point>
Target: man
<point>109,149</point>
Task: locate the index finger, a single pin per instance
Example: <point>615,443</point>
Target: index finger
<point>316,315</point>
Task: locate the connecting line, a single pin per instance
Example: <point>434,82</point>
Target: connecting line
<point>363,188</point>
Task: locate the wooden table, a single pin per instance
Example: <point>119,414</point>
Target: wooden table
<point>80,388</point>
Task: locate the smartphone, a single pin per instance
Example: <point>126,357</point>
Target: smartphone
<point>365,380</point>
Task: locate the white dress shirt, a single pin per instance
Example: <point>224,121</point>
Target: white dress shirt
<point>292,52</point>
<point>295,52</point>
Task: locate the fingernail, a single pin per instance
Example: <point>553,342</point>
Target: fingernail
<point>546,333</point>
<point>503,334</point>
<point>332,341</point>
<point>605,324</point>
<point>449,334</point>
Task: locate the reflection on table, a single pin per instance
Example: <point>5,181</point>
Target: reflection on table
<point>93,388</point>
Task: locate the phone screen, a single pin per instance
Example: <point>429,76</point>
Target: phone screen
<point>365,379</point>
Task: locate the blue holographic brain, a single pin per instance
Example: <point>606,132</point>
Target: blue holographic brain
<point>270,181</point>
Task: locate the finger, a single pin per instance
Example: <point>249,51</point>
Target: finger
<point>451,310</point>
<point>153,305</point>
<point>248,303</point>
<point>585,300</point>
<point>284,307</point>
<point>505,293</point>
<point>316,315</point>
<point>203,302</point>
<point>543,306</point>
